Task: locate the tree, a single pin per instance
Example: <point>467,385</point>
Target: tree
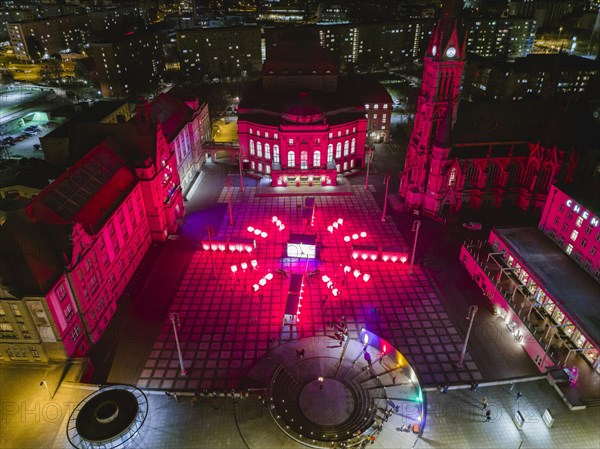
<point>51,70</point>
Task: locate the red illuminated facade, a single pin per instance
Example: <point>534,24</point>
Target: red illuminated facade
<point>472,155</point>
<point>300,124</point>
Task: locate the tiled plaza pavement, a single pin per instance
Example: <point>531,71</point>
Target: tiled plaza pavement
<point>225,328</point>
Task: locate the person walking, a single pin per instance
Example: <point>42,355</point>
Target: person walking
<point>488,416</point>
<point>519,396</point>
<point>484,402</point>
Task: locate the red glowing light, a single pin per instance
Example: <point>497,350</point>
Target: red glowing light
<point>335,292</point>
<point>363,234</point>
<point>257,232</point>
<point>347,269</point>
<point>244,265</point>
<point>274,219</point>
<point>394,259</point>
<point>269,276</point>
<point>373,256</point>
<point>330,229</point>
<point>255,287</point>
<point>364,256</point>
<point>325,278</point>
<point>250,229</point>
<point>354,236</point>
<point>234,268</point>
<point>356,273</point>
<point>366,277</point>
<point>264,235</point>
<point>263,282</point>
<point>403,259</point>
<point>385,257</point>
<point>355,255</point>
<point>347,238</point>
<point>340,220</point>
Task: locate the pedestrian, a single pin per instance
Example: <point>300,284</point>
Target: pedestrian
<point>519,396</point>
<point>393,380</point>
<point>484,402</point>
<point>193,401</point>
<point>488,416</point>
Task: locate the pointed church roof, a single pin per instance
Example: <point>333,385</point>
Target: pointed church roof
<point>449,31</point>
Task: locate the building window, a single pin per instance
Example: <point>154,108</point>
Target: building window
<point>252,147</point>
<point>291,159</point>
<point>15,310</point>
<point>60,292</point>
<point>317,158</point>
<point>68,311</point>
<point>583,243</point>
<point>258,149</point>
<point>346,148</point>
<point>253,165</point>
<point>353,146</point>
<point>290,141</point>
<point>574,235</point>
<point>565,227</point>
<point>338,150</point>
<point>330,153</point>
<point>267,151</point>
<point>304,160</point>
<point>569,249</point>
<point>260,167</point>
<point>593,251</point>
<point>561,209</point>
<point>556,220</point>
<point>276,154</point>
<point>579,221</point>
<point>268,169</point>
<point>75,333</point>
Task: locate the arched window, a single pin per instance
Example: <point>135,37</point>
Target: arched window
<point>267,151</point>
<point>330,153</point>
<point>452,177</point>
<point>531,169</point>
<point>276,154</point>
<point>514,172</point>
<point>338,150</point>
<point>353,146</point>
<point>259,149</point>
<point>472,176</point>
<point>252,147</point>
<point>317,158</point>
<point>346,148</point>
<point>543,182</point>
<point>493,178</point>
<point>304,160</point>
<point>291,159</point>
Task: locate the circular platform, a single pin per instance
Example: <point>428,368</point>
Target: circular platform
<point>321,394</point>
<point>108,418</point>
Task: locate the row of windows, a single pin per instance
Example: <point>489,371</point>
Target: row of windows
<point>266,168</point>
<point>349,148</point>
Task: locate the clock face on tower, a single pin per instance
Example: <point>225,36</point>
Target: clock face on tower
<point>451,52</point>
<point>434,50</point>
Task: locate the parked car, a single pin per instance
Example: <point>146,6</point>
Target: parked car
<point>472,225</point>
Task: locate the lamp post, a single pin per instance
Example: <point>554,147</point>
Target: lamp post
<point>210,231</point>
<point>471,318</point>
<point>386,181</point>
<point>415,228</point>
<point>44,383</point>
<point>229,185</point>
<point>175,321</point>
<point>369,155</point>
<point>241,167</point>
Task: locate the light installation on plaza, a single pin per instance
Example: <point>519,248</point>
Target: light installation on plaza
<point>330,285</point>
<point>262,282</point>
<point>257,232</point>
<point>277,222</point>
<point>355,236</point>
<point>244,266</point>
<point>232,244</point>
<point>378,253</point>
<point>335,225</point>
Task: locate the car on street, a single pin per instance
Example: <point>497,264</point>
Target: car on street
<point>472,225</point>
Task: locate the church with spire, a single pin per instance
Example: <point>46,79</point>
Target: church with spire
<point>483,154</point>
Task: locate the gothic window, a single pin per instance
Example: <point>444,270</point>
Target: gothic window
<point>304,160</point>
<point>514,172</point>
<point>291,159</point>
<point>472,176</point>
<point>317,158</point>
<point>346,148</point>
<point>252,147</point>
<point>259,149</point>
<point>543,182</point>
<point>267,151</point>
<point>338,150</point>
<point>353,145</point>
<point>531,169</point>
<point>276,154</point>
<point>330,153</point>
<point>452,177</point>
<point>493,178</point>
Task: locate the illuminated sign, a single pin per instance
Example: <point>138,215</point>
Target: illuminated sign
<point>583,213</point>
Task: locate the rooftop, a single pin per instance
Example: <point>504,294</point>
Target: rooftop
<point>568,285</point>
<point>94,114</point>
<point>585,193</point>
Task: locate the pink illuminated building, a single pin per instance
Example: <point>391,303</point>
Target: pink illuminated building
<point>68,259</point>
<point>470,155</point>
<point>545,285</point>
<point>300,124</point>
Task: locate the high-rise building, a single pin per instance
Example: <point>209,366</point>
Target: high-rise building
<point>536,76</point>
<point>502,38</point>
<point>219,51</point>
<point>130,65</point>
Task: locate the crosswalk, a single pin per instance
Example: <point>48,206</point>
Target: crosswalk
<point>394,147</point>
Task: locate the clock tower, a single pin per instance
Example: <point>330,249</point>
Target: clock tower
<point>442,72</point>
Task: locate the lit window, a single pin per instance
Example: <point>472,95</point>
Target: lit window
<point>569,249</point>
<point>290,141</point>
<point>579,221</point>
<point>574,235</point>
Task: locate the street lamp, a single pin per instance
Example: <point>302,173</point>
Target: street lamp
<point>369,155</point>
<point>241,169</point>
<point>44,383</point>
<point>471,318</point>
<point>415,228</point>
<point>386,181</point>
<point>175,321</point>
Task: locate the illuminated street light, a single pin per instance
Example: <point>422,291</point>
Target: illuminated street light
<point>175,321</point>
